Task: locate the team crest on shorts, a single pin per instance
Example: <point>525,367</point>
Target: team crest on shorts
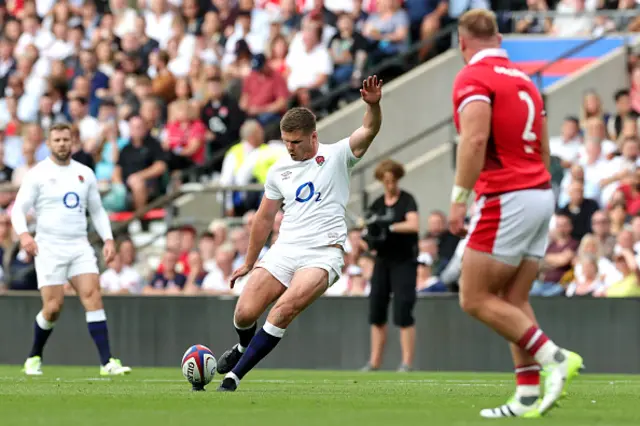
<point>320,160</point>
<point>81,178</point>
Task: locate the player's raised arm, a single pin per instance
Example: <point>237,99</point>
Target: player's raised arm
<point>361,139</point>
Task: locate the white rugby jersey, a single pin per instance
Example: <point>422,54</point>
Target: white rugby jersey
<point>315,193</point>
<point>60,196</point>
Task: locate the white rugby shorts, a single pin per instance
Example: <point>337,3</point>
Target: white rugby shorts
<point>57,263</point>
<point>283,260</point>
<point>512,226</point>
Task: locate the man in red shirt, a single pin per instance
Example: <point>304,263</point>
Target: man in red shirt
<point>264,93</point>
<point>503,155</point>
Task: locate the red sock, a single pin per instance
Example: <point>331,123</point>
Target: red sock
<point>528,375</point>
<point>532,340</point>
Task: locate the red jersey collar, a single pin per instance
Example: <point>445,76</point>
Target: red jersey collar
<point>488,53</point>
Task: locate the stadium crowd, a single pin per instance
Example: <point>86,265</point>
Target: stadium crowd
<point>156,87</point>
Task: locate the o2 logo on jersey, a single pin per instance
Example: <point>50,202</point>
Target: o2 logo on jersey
<point>71,200</point>
<point>306,192</point>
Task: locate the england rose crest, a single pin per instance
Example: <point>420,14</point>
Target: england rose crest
<point>320,160</point>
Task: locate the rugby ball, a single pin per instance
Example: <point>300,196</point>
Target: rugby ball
<point>198,366</point>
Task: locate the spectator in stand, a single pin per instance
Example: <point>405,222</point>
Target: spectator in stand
<point>277,55</point>
<point>623,112</point>
<point>217,280</point>
<point>163,84</point>
<point>577,174</point>
<point>629,286</point>
<point>46,115</point>
<point>26,108</point>
<point>88,125</point>
<point>619,169</point>
<point>184,138</point>
<point>618,217</point>
<point>589,282</point>
<point>120,278</point>
<point>596,130</point>
<point>222,117</point>
<point>568,145</point>
<point>348,51</point>
<point>426,281</point>
<point>264,93</point>
<point>531,24</point>
<point>290,18</point>
<point>108,151</point>
<point>572,26</point>
<point>579,210</point>
<point>196,274</point>
<point>141,165</point>
<point>590,246</point>
<point>7,61</point>
<point>558,259</point>
<point>97,79</point>
<point>6,173</point>
<point>29,155</point>
<point>310,65</point>
<point>447,242</point>
<point>591,107</point>
<point>168,282</point>
<point>631,191</point>
<point>389,29</point>
<point>240,67</point>
<point>252,136</point>
<point>78,152</point>
<point>207,250</point>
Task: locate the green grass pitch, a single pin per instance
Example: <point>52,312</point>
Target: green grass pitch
<point>72,396</point>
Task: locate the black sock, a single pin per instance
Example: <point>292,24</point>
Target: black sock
<point>245,335</point>
<point>42,330</point>
<point>267,338</point>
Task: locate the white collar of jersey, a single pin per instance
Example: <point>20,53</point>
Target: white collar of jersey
<point>488,53</point>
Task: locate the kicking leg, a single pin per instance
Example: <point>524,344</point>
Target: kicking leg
<point>52,301</point>
<point>306,286</point>
<point>261,290</point>
<point>483,277</point>
<point>88,289</point>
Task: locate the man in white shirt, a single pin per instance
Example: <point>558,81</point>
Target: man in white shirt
<point>307,258</point>
<point>311,67</point>
<point>120,278</point>
<point>567,146</point>
<point>61,191</point>
<point>619,168</point>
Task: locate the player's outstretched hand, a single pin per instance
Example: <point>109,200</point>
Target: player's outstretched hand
<point>371,91</point>
<point>239,273</point>
<point>28,244</point>
<point>456,219</point>
<point>109,251</point>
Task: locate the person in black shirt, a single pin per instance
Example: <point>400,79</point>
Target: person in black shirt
<point>394,237</point>
<point>78,152</point>
<point>141,164</point>
<point>348,50</point>
<point>580,210</point>
<point>223,117</point>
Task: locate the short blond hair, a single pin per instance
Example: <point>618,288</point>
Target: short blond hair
<point>479,23</point>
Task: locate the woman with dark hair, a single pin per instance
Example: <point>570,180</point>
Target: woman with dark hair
<point>394,237</point>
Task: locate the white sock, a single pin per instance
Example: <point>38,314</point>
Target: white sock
<point>96,316</point>
<point>547,354</point>
<point>44,323</point>
<point>231,375</point>
<point>273,330</point>
<point>241,348</point>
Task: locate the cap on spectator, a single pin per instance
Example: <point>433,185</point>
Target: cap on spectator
<point>425,259</point>
<point>258,62</point>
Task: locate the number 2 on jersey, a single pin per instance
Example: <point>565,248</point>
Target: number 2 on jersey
<point>528,135</point>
